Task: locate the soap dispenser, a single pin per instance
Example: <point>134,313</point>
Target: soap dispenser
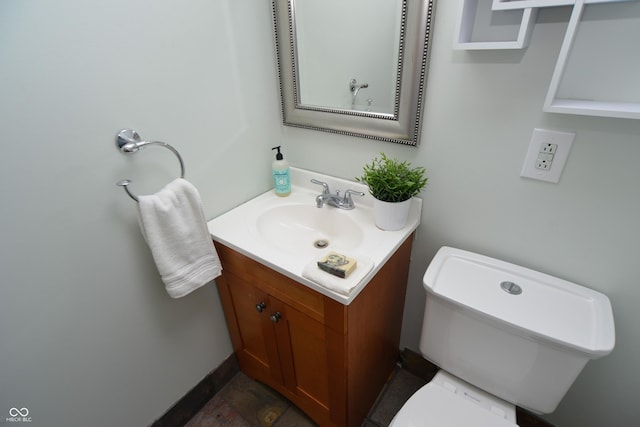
<point>281,175</point>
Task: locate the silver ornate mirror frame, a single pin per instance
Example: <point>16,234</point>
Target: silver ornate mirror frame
<point>403,126</point>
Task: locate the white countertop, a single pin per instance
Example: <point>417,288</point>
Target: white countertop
<point>238,229</point>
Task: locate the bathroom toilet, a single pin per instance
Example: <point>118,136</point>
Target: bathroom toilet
<point>503,335</point>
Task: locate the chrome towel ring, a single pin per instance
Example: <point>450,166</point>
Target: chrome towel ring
<point>129,141</point>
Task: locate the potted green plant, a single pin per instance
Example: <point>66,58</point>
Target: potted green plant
<point>392,183</point>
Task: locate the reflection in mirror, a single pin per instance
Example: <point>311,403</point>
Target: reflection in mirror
<point>361,47</point>
<point>355,67</point>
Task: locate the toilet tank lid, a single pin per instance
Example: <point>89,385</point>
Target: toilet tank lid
<point>547,307</point>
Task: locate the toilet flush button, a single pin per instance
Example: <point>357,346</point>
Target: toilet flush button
<point>511,288</point>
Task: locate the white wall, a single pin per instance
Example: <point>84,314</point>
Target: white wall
<point>481,108</point>
<point>88,336</point>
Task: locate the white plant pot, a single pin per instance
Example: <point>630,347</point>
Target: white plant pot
<point>391,216</point>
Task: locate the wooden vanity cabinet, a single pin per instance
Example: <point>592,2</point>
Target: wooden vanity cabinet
<point>330,360</point>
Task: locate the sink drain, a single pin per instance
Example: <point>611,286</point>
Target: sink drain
<point>320,243</point>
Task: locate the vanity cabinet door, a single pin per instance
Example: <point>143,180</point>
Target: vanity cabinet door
<point>248,310</point>
<point>329,359</point>
<point>302,348</point>
<point>278,344</point>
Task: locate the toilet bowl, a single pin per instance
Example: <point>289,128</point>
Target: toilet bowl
<point>449,401</point>
<point>502,335</point>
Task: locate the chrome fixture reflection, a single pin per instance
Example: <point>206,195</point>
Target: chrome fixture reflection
<point>354,88</point>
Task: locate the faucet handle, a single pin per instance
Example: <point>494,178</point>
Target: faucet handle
<point>348,193</point>
<point>325,186</point>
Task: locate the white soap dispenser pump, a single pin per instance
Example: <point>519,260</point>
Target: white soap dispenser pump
<point>281,175</point>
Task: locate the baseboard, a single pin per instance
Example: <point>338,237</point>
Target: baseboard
<point>417,365</point>
<point>189,405</point>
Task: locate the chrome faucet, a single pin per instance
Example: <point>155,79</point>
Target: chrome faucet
<point>354,88</point>
<point>341,202</point>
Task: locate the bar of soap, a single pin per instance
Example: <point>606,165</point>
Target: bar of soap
<point>337,264</point>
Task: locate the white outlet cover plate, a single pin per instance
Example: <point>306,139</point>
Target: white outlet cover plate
<point>539,138</point>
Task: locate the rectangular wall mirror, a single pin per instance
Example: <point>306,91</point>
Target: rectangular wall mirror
<point>354,67</point>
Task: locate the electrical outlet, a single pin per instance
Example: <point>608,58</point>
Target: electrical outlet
<point>549,148</point>
<point>544,161</point>
<point>547,154</point>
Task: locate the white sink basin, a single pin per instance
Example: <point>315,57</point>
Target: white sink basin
<point>280,232</point>
<point>297,229</point>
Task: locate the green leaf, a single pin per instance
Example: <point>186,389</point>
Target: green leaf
<point>391,180</point>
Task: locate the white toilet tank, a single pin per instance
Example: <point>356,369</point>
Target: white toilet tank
<point>518,334</point>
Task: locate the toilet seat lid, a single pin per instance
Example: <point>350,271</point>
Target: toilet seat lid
<point>435,406</point>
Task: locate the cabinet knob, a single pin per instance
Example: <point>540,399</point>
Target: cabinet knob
<point>275,318</point>
<point>260,306</point>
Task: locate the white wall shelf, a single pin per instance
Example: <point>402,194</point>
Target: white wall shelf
<point>481,28</point>
<point>598,66</point>
<point>522,4</point>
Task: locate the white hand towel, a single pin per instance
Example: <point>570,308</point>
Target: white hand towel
<point>342,286</point>
<point>173,224</point>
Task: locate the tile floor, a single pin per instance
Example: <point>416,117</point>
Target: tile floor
<point>245,403</point>
<point>242,402</point>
